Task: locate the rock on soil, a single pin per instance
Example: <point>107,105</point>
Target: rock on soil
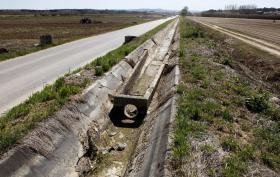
<point>113,134</point>
<point>275,100</point>
<point>121,146</point>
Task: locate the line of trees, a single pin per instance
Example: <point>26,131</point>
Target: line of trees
<point>232,7</point>
<point>244,11</point>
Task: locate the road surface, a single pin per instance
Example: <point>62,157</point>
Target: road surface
<point>22,76</point>
<point>263,34</point>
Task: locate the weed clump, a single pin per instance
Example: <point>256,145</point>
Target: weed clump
<point>18,111</point>
<point>180,89</point>
<point>227,116</point>
<point>208,149</point>
<point>193,32</point>
<point>227,61</point>
<point>257,103</point>
<point>230,144</point>
<point>234,166</point>
<point>99,71</point>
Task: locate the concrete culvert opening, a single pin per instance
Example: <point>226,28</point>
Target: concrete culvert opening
<point>131,111</point>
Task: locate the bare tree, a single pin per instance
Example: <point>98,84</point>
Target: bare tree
<point>231,7</point>
<point>185,11</point>
<point>249,6</point>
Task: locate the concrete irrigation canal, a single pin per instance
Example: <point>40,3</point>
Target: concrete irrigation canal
<point>119,127</point>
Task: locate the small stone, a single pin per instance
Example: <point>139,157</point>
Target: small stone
<point>104,151</point>
<point>275,100</point>
<point>113,134</point>
<point>78,74</point>
<point>121,146</point>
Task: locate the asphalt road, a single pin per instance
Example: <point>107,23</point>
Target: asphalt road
<point>22,76</point>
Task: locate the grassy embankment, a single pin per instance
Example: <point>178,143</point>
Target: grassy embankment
<point>225,124</point>
<point>17,122</point>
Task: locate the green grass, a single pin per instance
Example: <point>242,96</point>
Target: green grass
<point>237,163</point>
<point>189,111</point>
<point>234,167</point>
<point>230,144</point>
<point>198,71</point>
<point>268,140</point>
<point>257,103</point>
<point>208,149</point>
<point>21,119</point>
<point>227,115</point>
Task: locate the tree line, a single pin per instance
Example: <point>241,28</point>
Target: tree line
<point>244,11</point>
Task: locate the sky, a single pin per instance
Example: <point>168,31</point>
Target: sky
<point>131,4</point>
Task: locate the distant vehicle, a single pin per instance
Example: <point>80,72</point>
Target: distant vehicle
<point>85,20</point>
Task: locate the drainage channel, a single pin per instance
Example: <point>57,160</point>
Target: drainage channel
<point>143,151</point>
<point>91,136</point>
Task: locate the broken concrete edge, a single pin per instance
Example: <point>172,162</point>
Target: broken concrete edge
<point>60,145</point>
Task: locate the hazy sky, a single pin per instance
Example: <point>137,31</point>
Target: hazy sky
<point>131,4</point>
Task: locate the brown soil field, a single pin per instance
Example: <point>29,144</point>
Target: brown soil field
<point>20,33</point>
<point>262,29</point>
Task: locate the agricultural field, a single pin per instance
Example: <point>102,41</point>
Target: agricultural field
<point>262,29</point>
<point>20,33</point>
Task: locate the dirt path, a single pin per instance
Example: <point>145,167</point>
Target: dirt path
<point>258,43</point>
